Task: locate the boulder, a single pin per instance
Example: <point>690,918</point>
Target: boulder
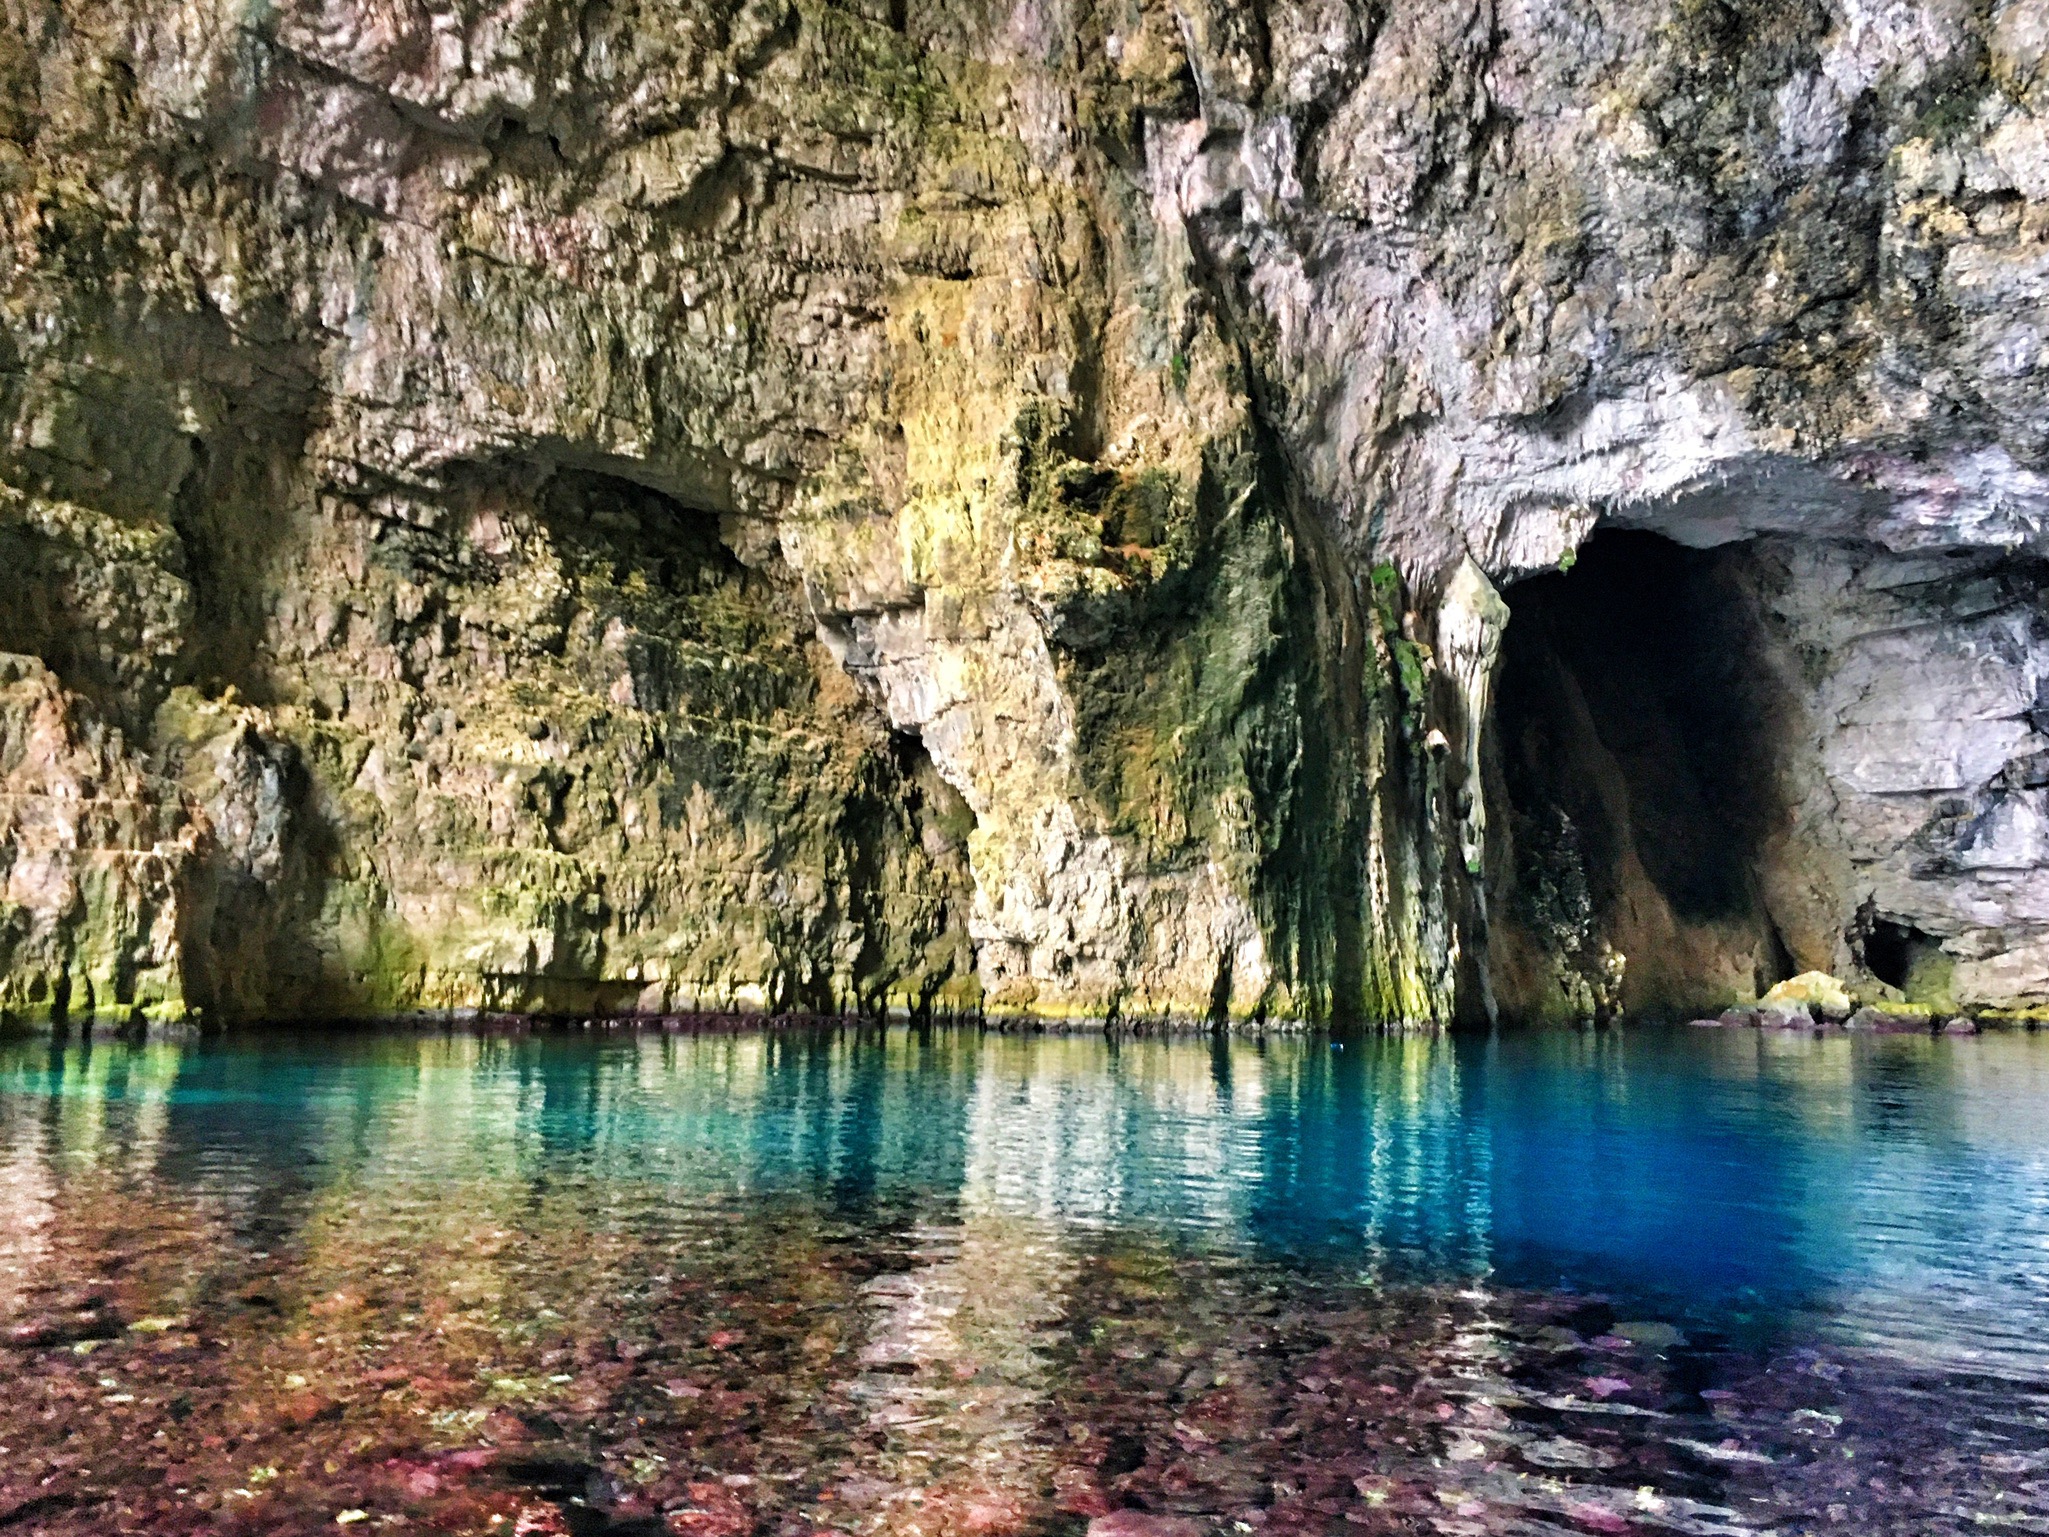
<point>1784,1016</point>
<point>1817,991</point>
<point>1880,1022</point>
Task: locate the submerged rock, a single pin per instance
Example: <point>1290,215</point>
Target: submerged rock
<point>1880,1022</point>
<point>1135,1523</point>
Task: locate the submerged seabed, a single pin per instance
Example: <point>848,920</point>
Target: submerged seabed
<point>873,1281</point>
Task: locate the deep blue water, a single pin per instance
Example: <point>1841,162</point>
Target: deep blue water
<point>1890,1191</point>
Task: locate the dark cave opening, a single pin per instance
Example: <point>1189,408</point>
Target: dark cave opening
<point>1889,951</point>
<point>1633,768</point>
<point>1898,954</point>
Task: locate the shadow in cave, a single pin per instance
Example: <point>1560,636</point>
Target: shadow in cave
<point>1635,765</point>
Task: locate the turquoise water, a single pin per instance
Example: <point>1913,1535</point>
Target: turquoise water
<point>1719,1203</point>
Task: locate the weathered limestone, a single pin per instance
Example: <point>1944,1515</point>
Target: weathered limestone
<point>95,855</point>
<point>1921,802</point>
<point>937,505</point>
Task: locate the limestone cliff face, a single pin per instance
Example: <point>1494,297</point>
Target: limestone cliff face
<point>928,504</point>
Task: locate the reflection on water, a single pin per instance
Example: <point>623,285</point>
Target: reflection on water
<point>869,1280</point>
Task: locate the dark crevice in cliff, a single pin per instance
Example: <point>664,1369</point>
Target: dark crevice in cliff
<point>1312,882</point>
<point>1898,954</point>
<point>223,512</point>
<point>1335,775</point>
<point>1635,765</point>
<point>912,923</point>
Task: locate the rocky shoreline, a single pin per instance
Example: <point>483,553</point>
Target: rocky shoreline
<point>1820,1003</point>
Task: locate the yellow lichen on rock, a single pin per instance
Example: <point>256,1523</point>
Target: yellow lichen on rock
<point>1817,990</point>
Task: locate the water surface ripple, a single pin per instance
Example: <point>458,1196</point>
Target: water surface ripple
<point>949,1281</point>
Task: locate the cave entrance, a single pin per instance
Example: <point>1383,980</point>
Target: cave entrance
<point>1635,763</point>
<point>1901,956</point>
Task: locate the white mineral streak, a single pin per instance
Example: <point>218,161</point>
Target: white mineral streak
<point>1470,621</point>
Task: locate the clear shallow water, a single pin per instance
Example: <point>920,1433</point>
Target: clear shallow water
<point>955,1281</point>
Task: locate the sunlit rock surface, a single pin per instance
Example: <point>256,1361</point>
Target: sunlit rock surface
<point>941,506</point>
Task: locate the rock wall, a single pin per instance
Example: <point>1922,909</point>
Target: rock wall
<point>969,506</point>
<point>1918,818</point>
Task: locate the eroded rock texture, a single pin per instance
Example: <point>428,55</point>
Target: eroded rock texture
<point>943,505</point>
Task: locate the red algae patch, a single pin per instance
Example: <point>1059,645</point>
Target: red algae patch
<point>784,1373</point>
